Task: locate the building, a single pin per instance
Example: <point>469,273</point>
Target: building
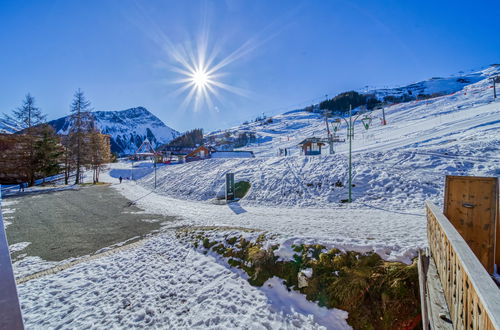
<point>206,152</point>
<point>233,154</point>
<point>311,146</point>
<point>200,153</point>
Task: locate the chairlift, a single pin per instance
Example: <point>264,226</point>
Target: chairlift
<point>336,125</point>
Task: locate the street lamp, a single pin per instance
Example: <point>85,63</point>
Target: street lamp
<point>366,121</point>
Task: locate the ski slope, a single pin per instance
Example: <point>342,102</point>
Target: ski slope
<point>396,166</point>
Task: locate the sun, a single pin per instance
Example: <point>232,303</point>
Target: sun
<point>200,78</point>
<point>200,70</point>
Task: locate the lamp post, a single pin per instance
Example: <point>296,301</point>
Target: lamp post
<point>366,120</point>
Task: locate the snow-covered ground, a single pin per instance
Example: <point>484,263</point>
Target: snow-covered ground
<point>165,283</point>
<point>395,166</point>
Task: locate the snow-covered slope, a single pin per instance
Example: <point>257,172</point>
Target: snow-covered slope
<point>7,126</point>
<point>436,85</point>
<point>127,128</point>
<point>398,165</point>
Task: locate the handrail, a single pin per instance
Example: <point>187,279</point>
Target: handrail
<point>10,312</point>
<point>471,294</point>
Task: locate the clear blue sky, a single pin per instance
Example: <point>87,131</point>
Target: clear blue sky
<point>294,52</point>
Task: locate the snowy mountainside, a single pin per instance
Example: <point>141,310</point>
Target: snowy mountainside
<point>397,166</point>
<point>436,85</point>
<point>127,128</point>
<point>8,127</point>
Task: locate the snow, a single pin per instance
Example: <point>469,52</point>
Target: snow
<point>396,236</point>
<point>166,283</point>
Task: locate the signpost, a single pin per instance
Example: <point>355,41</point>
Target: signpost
<point>229,186</point>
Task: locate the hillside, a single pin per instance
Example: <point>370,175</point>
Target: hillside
<point>7,126</point>
<point>396,166</point>
<point>127,128</point>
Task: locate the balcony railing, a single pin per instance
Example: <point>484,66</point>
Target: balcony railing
<point>472,296</point>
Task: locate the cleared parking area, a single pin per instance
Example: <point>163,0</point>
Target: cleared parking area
<point>61,224</point>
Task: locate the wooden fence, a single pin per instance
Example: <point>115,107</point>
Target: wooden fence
<point>472,296</point>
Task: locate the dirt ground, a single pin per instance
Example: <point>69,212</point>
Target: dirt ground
<point>76,222</point>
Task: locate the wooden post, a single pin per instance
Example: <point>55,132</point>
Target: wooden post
<point>471,203</point>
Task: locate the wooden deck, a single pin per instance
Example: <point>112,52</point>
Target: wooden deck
<point>471,295</point>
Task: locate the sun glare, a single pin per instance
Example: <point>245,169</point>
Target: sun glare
<point>200,73</point>
<point>201,78</point>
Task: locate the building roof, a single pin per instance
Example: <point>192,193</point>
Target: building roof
<point>233,154</point>
<point>312,140</point>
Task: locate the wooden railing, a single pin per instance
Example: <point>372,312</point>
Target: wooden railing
<point>10,312</point>
<point>472,296</point>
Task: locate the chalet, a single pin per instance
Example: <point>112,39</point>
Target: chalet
<point>200,153</point>
<point>311,146</point>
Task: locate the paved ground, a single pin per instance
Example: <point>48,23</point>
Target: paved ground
<point>72,223</point>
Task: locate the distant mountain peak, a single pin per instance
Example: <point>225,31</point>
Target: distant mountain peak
<point>128,128</point>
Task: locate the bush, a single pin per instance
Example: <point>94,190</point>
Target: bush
<point>241,188</point>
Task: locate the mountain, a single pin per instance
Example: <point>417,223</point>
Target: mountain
<point>435,86</point>
<point>127,128</point>
<point>265,136</point>
<point>7,126</point>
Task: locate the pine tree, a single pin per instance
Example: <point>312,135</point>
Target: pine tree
<point>28,115</point>
<point>48,152</point>
<point>81,125</point>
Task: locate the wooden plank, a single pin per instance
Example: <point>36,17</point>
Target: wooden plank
<point>497,241</point>
<point>472,294</point>
<point>423,261</point>
<point>470,205</point>
<point>10,312</point>
<point>439,315</point>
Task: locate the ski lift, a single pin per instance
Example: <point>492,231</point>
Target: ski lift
<point>366,120</point>
<point>336,125</point>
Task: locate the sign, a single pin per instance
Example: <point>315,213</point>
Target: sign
<point>366,122</point>
<point>229,186</point>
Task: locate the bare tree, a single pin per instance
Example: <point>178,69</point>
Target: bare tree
<point>28,115</point>
<point>100,152</point>
<point>81,126</point>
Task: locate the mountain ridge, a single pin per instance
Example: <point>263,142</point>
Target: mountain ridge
<point>127,128</point>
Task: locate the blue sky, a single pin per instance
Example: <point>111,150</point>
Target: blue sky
<point>290,53</point>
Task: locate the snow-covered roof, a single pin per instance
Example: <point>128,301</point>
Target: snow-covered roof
<point>233,154</point>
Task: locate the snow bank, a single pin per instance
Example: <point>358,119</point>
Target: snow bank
<point>167,285</point>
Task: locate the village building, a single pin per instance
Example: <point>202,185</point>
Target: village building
<point>311,146</point>
<point>206,152</point>
<point>200,153</point>
<point>233,154</point>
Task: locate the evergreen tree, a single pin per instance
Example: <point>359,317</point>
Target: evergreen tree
<point>48,152</point>
<point>81,125</point>
<point>191,138</point>
<point>28,115</point>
